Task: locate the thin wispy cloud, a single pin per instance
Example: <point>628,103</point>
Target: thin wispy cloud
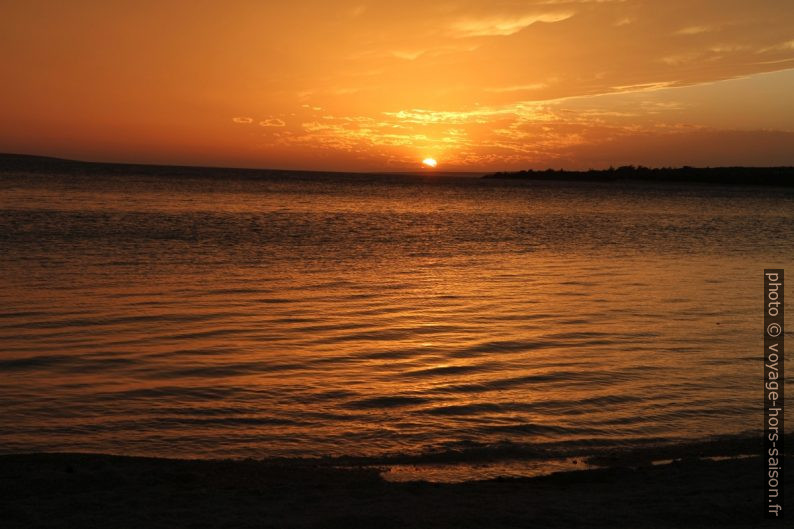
<point>503,25</point>
<point>694,30</point>
<point>272,122</point>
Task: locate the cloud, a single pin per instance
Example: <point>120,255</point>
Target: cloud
<point>503,25</point>
<point>272,122</point>
<point>645,87</point>
<point>681,58</point>
<point>426,117</point>
<point>642,123</point>
<point>243,119</point>
<point>783,46</point>
<point>407,55</point>
<point>694,30</point>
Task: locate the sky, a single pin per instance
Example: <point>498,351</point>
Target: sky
<point>478,85</point>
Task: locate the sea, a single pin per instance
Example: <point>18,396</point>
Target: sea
<point>377,316</point>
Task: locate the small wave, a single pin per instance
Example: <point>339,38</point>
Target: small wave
<point>32,362</point>
<point>386,402</point>
<point>444,370</point>
<point>223,370</point>
<point>464,409</point>
<point>512,382</point>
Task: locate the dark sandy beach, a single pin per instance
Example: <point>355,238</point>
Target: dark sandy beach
<point>87,490</point>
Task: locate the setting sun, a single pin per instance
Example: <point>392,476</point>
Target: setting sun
<point>429,162</point>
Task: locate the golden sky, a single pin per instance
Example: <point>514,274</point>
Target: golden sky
<point>381,85</point>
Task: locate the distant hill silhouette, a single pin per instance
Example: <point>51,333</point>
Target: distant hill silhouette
<point>759,176</point>
<point>44,164</point>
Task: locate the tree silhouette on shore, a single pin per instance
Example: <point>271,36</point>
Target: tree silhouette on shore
<point>775,176</point>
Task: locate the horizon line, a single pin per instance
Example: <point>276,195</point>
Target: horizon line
<point>419,171</point>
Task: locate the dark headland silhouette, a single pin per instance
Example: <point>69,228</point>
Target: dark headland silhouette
<point>756,176</point>
<point>750,176</point>
<point>27,163</point>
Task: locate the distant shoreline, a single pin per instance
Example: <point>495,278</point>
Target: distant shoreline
<point>745,176</point>
<point>741,176</point>
<point>46,164</point>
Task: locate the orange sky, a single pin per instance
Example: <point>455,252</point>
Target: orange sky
<point>381,85</point>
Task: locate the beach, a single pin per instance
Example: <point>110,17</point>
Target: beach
<point>88,490</point>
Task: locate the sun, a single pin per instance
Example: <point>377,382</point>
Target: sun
<point>429,162</point>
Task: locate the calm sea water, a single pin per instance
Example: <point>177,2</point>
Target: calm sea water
<point>304,316</point>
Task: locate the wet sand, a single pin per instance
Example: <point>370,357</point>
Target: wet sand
<point>87,490</point>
